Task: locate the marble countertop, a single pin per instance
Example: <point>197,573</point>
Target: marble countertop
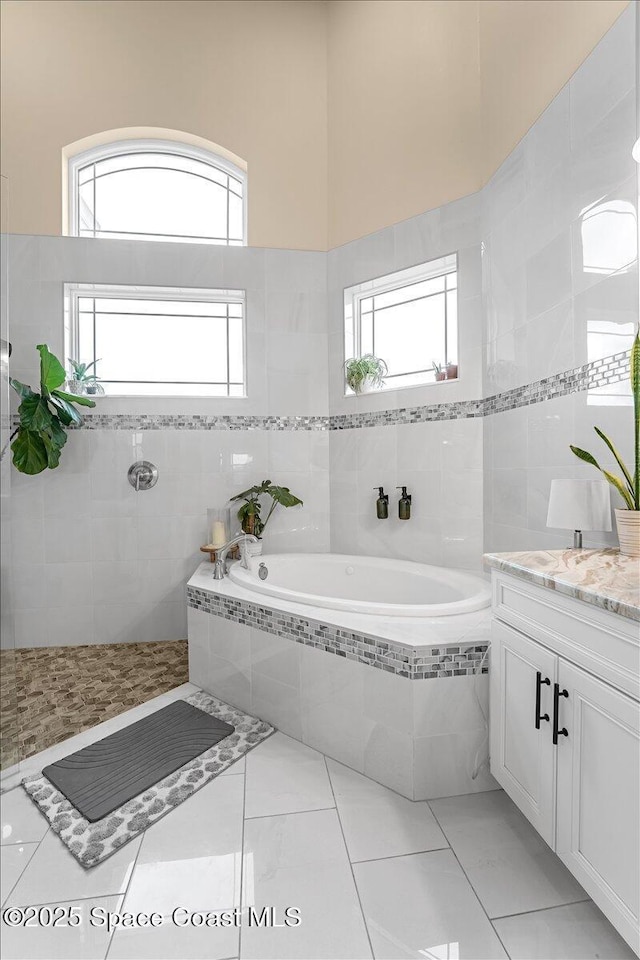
<point>603,578</point>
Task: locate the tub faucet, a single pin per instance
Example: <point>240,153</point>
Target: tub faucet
<point>220,566</point>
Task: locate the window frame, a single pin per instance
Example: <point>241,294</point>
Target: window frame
<point>73,292</point>
<point>399,279</point>
<point>119,148</point>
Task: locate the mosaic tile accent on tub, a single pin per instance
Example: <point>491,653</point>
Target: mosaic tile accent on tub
<point>414,663</point>
<point>590,376</point>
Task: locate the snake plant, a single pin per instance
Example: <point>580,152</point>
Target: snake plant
<point>628,485</point>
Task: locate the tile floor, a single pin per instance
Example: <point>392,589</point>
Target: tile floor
<point>372,874</point>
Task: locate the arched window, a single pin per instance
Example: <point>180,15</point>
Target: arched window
<point>156,190</point>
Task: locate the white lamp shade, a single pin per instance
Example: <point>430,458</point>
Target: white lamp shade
<point>579,505</point>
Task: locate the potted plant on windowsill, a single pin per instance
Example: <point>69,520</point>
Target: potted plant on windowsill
<point>83,383</point>
<point>438,372</point>
<point>628,486</point>
<point>452,370</point>
<point>365,373</point>
<point>249,513</point>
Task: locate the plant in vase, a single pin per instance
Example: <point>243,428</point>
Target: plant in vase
<point>438,372</point>
<point>628,485</point>
<point>250,513</point>
<point>44,416</point>
<point>81,382</point>
<point>365,373</point>
<point>452,370</point>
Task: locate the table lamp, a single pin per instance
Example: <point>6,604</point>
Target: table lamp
<point>579,505</point>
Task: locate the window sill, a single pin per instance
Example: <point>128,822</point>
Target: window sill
<point>413,386</point>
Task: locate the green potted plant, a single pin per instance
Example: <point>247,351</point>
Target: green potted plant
<point>365,373</point>
<point>627,485</point>
<point>81,381</point>
<point>250,513</point>
<point>438,372</point>
<point>44,417</point>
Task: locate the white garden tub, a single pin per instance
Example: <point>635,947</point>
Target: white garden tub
<point>371,585</point>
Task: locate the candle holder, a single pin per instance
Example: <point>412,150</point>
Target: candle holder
<point>218,530</point>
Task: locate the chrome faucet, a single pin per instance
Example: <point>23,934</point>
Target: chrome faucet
<point>220,566</point>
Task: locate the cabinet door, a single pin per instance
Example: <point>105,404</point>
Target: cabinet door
<point>522,754</point>
<point>597,807</point>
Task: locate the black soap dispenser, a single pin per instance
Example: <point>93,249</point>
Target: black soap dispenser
<point>404,504</point>
<point>382,504</point>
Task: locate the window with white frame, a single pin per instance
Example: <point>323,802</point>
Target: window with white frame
<point>158,341</point>
<point>409,319</point>
<point>156,190</point>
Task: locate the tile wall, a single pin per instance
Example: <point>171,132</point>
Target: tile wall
<point>92,561</point>
<point>439,462</point>
<point>560,288</point>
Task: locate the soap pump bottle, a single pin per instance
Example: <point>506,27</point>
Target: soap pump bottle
<point>404,504</point>
<point>382,504</point>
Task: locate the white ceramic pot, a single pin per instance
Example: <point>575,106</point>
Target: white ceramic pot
<point>628,524</point>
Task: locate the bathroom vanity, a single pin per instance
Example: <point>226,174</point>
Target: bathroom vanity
<point>565,712</point>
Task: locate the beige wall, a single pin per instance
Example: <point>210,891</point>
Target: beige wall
<point>248,75</point>
<point>428,97</point>
<point>404,110</point>
<point>528,51</point>
<point>351,114</point>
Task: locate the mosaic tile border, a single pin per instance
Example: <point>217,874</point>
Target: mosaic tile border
<point>173,421</point>
<point>414,663</point>
<point>589,376</point>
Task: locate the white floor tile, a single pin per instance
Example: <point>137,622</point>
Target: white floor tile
<point>191,858</point>
<point>13,860</point>
<point>423,906</point>
<point>285,776</point>
<point>21,820</point>
<point>578,931</point>
<point>169,942</point>
<point>53,874</point>
<point>235,768</point>
<point>300,861</point>
<point>510,866</point>
<point>86,941</point>
<point>378,822</point>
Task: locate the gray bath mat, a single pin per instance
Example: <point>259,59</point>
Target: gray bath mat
<point>105,775</point>
<point>91,843</point>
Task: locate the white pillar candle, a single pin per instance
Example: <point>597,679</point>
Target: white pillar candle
<point>218,534</point>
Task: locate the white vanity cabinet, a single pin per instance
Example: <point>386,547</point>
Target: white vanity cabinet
<point>565,735</point>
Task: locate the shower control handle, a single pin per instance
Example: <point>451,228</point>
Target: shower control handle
<point>142,475</point>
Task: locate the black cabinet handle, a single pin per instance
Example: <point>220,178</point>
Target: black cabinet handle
<point>539,682</point>
<point>557,693</point>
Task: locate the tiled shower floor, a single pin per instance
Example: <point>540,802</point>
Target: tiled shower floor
<point>372,874</point>
<point>52,693</point>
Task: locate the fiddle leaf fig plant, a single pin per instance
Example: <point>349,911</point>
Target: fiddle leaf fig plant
<point>249,513</point>
<point>41,434</point>
<point>628,486</point>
